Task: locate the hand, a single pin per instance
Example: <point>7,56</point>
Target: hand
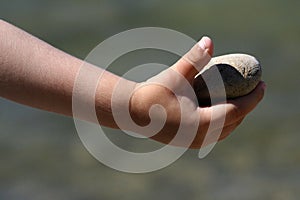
<point>171,90</point>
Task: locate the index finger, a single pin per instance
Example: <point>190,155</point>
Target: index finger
<point>234,110</point>
<point>240,107</point>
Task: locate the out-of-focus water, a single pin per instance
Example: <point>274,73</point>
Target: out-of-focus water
<point>41,156</point>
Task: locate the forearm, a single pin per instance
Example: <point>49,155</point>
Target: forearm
<point>36,74</point>
<point>33,72</point>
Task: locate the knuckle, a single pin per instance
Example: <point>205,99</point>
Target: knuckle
<point>237,111</point>
<point>234,113</point>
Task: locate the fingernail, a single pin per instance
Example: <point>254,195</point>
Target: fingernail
<point>206,44</point>
<point>202,43</point>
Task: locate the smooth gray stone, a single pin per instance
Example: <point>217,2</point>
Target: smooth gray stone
<point>238,75</point>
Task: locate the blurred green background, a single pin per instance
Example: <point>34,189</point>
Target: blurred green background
<point>41,156</point>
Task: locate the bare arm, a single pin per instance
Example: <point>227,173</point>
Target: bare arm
<point>36,74</point>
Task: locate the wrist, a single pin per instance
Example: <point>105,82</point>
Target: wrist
<point>112,99</point>
<point>139,105</point>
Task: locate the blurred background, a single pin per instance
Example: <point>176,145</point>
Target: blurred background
<point>42,157</point>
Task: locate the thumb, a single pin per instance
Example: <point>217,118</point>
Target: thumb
<point>195,59</point>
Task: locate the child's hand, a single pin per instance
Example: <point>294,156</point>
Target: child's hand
<point>171,89</point>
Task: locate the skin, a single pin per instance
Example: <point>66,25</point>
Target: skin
<point>36,74</point>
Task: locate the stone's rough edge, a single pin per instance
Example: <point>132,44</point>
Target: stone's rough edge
<point>249,68</point>
<point>237,60</point>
